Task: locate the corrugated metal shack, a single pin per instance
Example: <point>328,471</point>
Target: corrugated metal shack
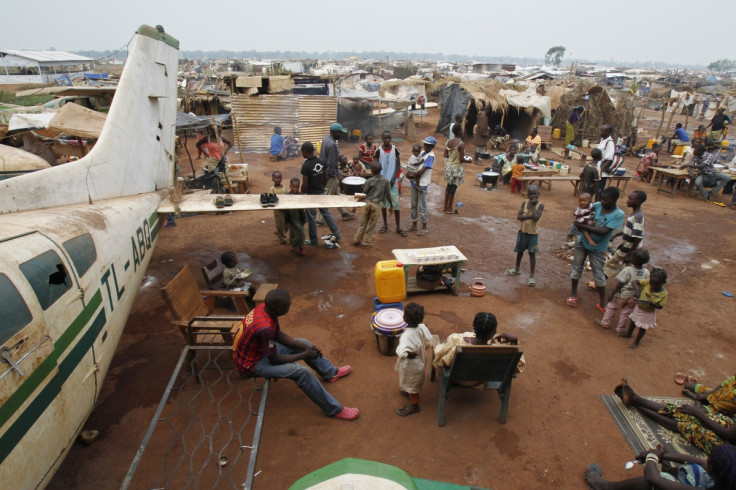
<point>306,117</point>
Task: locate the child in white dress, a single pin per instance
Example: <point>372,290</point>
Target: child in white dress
<point>412,361</point>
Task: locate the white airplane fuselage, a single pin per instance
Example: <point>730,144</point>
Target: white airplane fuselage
<point>75,241</point>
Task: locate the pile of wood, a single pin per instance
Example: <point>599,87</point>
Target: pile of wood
<point>599,109</point>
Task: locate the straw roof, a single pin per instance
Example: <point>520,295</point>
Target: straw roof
<point>487,90</point>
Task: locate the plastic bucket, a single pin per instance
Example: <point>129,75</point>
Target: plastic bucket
<point>390,281</point>
<point>564,169</point>
<point>556,133</point>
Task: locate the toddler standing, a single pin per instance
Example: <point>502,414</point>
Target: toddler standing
<point>527,239</point>
<point>517,172</point>
<point>652,297</point>
<point>279,216</point>
<point>622,298</point>
<point>412,357</point>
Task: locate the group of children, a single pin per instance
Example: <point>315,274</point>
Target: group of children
<point>638,294</point>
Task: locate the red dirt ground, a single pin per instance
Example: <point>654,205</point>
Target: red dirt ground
<point>557,424</point>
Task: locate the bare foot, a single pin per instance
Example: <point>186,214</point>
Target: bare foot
<point>593,478</point>
<point>634,346</point>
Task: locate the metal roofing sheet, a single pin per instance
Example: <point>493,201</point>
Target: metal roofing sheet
<point>48,57</point>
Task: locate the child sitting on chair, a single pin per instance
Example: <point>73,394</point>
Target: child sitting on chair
<point>232,277</point>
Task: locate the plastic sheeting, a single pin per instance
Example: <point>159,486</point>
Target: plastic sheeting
<point>357,115</point>
<point>453,101</point>
<point>190,121</point>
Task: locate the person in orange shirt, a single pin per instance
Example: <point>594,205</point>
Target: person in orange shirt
<point>517,172</point>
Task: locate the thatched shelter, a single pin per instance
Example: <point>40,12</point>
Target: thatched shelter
<point>599,109</point>
<point>517,108</point>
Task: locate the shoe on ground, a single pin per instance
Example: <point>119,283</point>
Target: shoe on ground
<point>341,372</point>
<point>264,200</point>
<point>348,413</point>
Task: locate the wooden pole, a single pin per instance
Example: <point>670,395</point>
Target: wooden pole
<point>661,121</point>
<point>237,136</point>
<point>191,163</point>
<point>672,114</point>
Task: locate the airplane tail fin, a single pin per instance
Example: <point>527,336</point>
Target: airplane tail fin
<point>135,151</point>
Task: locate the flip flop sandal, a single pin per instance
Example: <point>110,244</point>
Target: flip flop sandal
<point>382,229</point>
<point>343,371</point>
<point>348,413</point>
<point>422,232</point>
<point>600,308</point>
<point>572,302</point>
<point>228,200</point>
<point>406,411</point>
<point>692,380</point>
<point>680,378</point>
<point>531,282</point>
<point>401,232</point>
<point>219,202</point>
<point>513,272</point>
<point>718,203</point>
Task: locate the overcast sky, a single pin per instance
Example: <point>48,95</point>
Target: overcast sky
<point>673,31</point>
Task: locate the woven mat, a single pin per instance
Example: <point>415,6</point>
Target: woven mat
<point>642,433</point>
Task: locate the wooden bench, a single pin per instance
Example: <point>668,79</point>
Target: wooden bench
<point>545,132</point>
<point>262,291</point>
<point>543,179</point>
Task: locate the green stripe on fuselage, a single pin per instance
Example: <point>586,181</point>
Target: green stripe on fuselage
<point>18,430</point>
<point>19,397</point>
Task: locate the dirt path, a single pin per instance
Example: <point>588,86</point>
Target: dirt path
<point>556,423</point>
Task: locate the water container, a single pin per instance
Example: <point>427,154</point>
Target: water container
<point>390,281</point>
<point>556,133</point>
<point>564,169</point>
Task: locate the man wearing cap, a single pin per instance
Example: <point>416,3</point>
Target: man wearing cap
<point>420,181</point>
<point>331,156</point>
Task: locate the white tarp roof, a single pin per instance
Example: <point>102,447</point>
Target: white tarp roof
<point>530,98</point>
<point>16,57</point>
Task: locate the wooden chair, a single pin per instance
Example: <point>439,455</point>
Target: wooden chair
<point>493,365</point>
<point>213,277</point>
<point>212,273</point>
<point>191,313</point>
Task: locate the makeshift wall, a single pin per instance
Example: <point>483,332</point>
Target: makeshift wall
<point>307,117</point>
<point>453,101</point>
<point>357,115</point>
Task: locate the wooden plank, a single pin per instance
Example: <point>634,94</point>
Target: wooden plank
<point>203,202</point>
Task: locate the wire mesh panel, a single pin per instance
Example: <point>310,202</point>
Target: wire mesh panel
<point>206,430</point>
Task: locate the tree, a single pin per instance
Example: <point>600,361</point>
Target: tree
<point>722,65</point>
<point>554,55</point>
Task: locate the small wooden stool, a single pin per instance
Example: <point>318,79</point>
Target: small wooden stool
<point>262,291</point>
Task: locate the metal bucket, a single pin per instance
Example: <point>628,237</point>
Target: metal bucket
<point>352,184</point>
<point>490,177</point>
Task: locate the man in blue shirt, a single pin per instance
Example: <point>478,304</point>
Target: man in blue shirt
<point>608,218</point>
<point>277,149</point>
<point>679,138</point>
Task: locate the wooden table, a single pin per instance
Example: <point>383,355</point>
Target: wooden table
<point>526,180</point>
<point>239,176</point>
<point>660,174</point>
<point>448,255</point>
<point>618,179</point>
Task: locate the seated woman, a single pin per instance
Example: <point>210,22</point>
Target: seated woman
<point>721,472</point>
<point>706,424</point>
<point>648,160</point>
<point>484,333</point>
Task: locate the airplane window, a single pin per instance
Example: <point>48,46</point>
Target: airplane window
<point>82,252</point>
<point>14,314</point>
<point>47,276</point>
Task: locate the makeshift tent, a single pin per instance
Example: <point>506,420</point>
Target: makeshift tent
<point>515,108</point>
<point>71,119</point>
<point>599,109</point>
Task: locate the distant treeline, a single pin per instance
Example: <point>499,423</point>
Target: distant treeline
<point>387,56</point>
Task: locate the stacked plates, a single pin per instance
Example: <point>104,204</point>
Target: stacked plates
<point>389,322</point>
<point>478,287</point>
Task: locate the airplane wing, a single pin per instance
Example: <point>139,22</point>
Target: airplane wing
<point>203,202</point>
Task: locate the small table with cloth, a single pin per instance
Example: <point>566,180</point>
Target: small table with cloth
<point>448,255</point>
